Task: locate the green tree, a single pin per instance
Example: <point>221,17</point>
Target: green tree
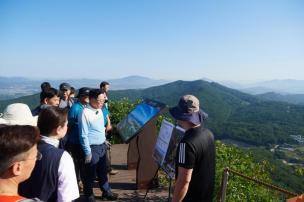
<point>240,189</point>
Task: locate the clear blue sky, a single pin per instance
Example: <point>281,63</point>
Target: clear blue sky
<point>162,39</point>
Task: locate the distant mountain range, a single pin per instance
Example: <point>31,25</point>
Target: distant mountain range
<point>290,98</point>
<point>13,87</point>
<point>287,86</point>
<point>232,114</point>
<point>291,91</point>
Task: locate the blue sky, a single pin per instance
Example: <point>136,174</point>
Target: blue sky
<point>162,39</point>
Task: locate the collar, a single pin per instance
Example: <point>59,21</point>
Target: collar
<point>93,109</point>
<point>51,141</point>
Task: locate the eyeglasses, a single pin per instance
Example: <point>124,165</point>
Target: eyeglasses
<point>38,157</point>
<point>100,100</point>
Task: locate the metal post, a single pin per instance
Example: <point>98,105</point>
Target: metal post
<point>224,185</point>
<point>169,194</point>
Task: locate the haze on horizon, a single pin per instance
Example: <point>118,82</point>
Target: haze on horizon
<point>219,40</point>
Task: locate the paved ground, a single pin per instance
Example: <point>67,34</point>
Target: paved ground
<point>124,183</point>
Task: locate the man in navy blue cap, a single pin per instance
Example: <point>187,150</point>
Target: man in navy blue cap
<point>72,142</point>
<point>195,156</point>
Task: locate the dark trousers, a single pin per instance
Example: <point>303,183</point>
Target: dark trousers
<point>108,159</point>
<point>78,157</point>
<point>98,164</point>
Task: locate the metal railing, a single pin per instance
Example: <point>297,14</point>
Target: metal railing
<point>224,184</point>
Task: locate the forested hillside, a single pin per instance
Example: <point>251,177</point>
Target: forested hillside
<point>232,114</point>
<point>290,98</point>
<point>257,163</point>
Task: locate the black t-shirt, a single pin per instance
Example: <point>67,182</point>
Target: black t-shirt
<point>197,151</point>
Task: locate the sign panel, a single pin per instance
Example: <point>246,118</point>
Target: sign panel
<point>131,125</point>
<point>166,146</point>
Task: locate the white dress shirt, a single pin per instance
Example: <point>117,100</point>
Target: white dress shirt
<point>67,182</point>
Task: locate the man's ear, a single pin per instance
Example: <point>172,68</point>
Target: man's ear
<point>45,100</point>
<point>58,130</point>
<point>17,168</point>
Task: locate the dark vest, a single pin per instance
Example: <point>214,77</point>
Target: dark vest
<point>43,182</point>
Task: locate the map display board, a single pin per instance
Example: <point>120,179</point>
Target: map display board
<point>165,149</point>
<point>131,125</point>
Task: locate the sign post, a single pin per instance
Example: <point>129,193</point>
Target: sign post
<point>140,131</point>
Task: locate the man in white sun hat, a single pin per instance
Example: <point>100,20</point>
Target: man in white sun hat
<point>18,114</point>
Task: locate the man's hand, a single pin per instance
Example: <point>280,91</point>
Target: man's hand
<point>108,128</point>
<point>108,143</point>
<point>88,159</point>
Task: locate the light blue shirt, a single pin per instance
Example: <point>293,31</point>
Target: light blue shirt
<point>91,128</point>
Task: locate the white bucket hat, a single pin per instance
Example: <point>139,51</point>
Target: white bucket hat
<point>18,114</point>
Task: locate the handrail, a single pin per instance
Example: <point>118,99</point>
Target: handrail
<point>268,185</point>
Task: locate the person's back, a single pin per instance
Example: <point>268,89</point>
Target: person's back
<point>54,178</point>
<point>201,156</point>
<point>44,175</point>
<point>195,156</point>
<point>73,130</point>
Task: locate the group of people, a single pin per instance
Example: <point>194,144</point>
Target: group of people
<point>69,145</point>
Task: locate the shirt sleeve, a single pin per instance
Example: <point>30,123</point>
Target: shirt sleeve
<point>67,182</point>
<point>84,131</point>
<point>72,115</point>
<point>105,113</point>
<point>185,156</point>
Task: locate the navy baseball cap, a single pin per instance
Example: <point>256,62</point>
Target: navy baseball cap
<point>83,92</point>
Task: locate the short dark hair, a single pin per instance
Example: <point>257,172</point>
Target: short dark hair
<point>16,140</point>
<point>51,92</point>
<point>103,84</point>
<point>50,118</point>
<point>45,86</point>
<point>94,93</point>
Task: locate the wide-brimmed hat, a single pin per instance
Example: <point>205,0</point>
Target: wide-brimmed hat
<point>188,109</point>
<point>18,114</point>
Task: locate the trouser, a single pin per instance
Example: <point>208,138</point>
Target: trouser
<point>98,164</point>
<point>78,158</point>
<point>108,159</point>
